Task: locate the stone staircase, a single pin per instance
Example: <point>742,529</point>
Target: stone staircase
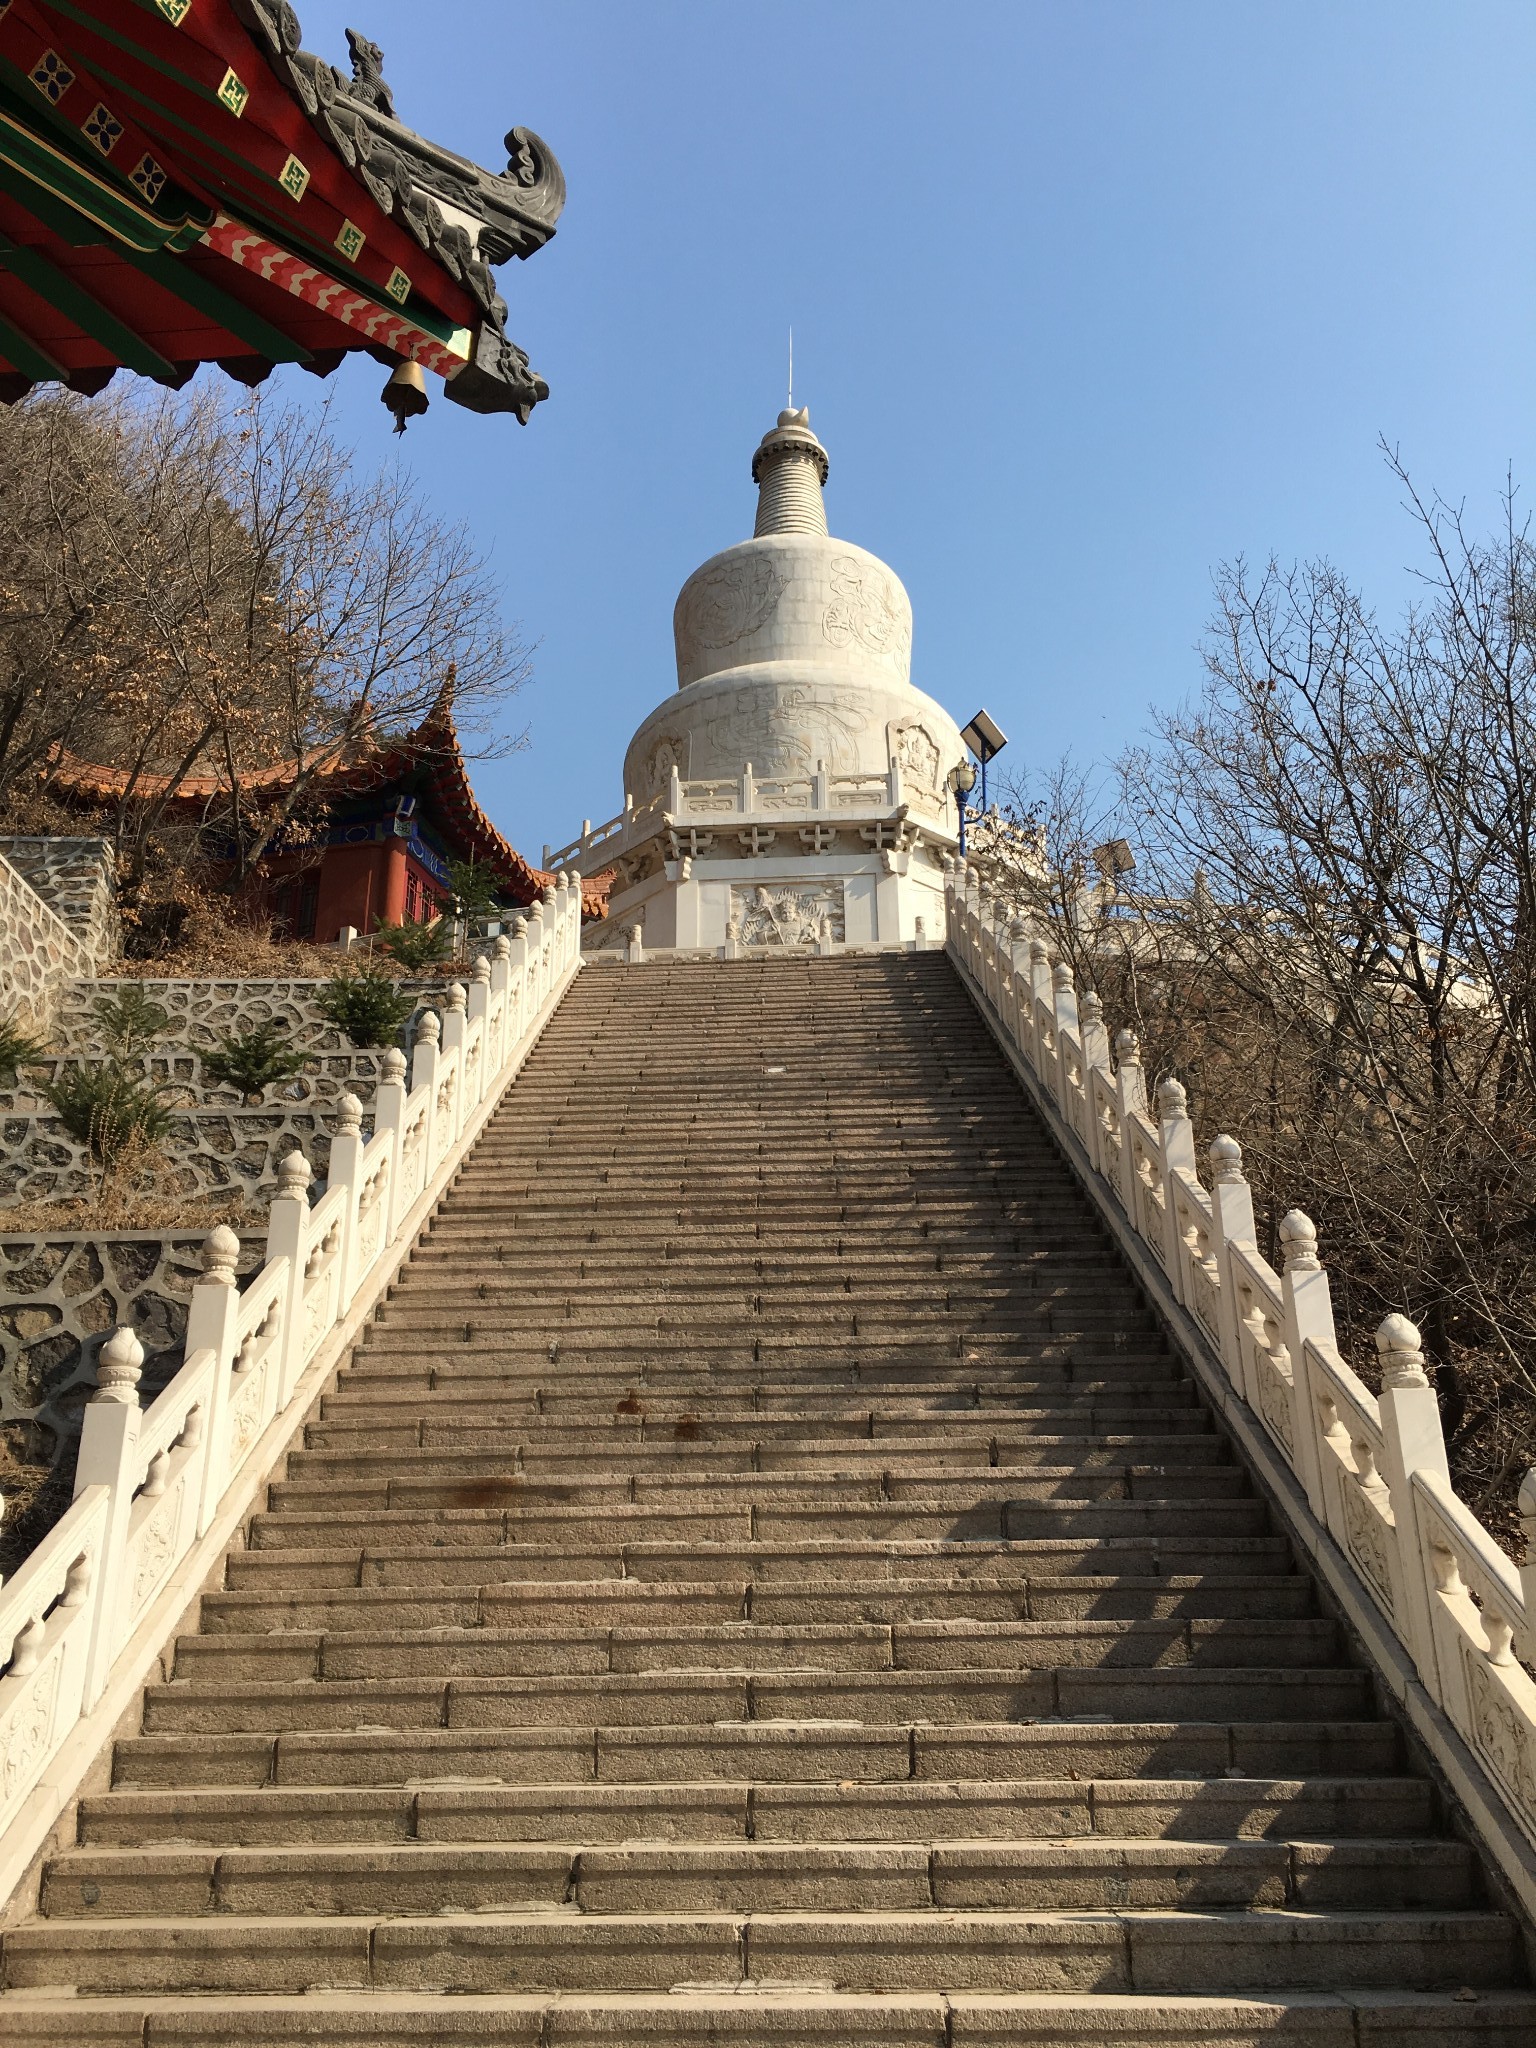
<point>766,1577</point>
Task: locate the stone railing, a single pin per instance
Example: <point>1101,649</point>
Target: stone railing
<point>693,810</point>
<point>1449,1620</point>
<point>160,1491</point>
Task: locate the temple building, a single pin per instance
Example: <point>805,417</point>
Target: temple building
<point>796,789</point>
<point>181,183</point>
<point>380,830</point>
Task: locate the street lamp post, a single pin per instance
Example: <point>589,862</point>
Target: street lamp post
<point>962,780</point>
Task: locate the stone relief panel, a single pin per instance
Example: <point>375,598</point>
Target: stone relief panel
<point>790,729</point>
<point>726,602</point>
<point>785,915</point>
<point>917,752</point>
<point>866,607</point>
<point>667,753</point>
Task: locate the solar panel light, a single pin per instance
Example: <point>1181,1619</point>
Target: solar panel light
<point>985,737</point>
<point>1115,858</point>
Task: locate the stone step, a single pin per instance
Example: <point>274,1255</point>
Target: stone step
<point>841,1753</point>
<point>995,1874</point>
<point>949,1694</point>
<point>485,1601</point>
<point>787,2018</point>
<point>1161,1809</point>
<point>660,1520</point>
<point>438,1480</point>
<point>1092,1952</point>
<point>824,1563</point>
<point>568,1647</point>
<point>678,1429</point>
<point>765,1575</point>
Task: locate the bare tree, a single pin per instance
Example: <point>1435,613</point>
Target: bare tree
<point>1330,933</point>
<point>197,585</point>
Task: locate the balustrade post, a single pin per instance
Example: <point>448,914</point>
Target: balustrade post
<point>1308,1319</point>
<point>573,931</point>
<point>287,1238</point>
<point>1130,1085</point>
<point>1526,1504</point>
<point>1064,1007</point>
<point>211,1327</point>
<point>479,1005</point>
<point>108,1456</point>
<point>634,944</point>
<point>1231,1223</point>
<point>389,1115</point>
<point>1002,918</point>
<point>1176,1142</point>
<point>986,957</point>
<point>1017,1018</point>
<point>534,935</point>
<point>1412,1441</point>
<point>456,1033</point>
<point>346,1159</point>
<point>517,981</point>
<point>1095,1044</point>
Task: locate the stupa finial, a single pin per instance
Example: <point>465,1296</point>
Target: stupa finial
<point>789,469</point>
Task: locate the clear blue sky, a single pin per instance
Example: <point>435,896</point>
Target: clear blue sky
<point>1085,298</point>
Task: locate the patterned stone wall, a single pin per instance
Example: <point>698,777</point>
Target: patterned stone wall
<point>61,1295</point>
<point>76,878</point>
<point>39,954</point>
<point>208,1152</point>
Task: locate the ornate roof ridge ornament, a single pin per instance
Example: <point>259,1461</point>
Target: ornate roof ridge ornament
<point>469,219</point>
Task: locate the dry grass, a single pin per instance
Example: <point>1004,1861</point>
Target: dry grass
<point>36,1490</point>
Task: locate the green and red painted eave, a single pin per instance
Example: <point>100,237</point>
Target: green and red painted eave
<point>165,201</point>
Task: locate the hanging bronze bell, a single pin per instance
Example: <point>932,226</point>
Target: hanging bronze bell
<point>405,394</point>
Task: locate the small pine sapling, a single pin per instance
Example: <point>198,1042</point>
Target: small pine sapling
<point>414,945</point>
<point>254,1061</point>
<point>366,1006</point>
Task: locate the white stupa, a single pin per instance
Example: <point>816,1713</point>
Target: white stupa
<point>795,788</point>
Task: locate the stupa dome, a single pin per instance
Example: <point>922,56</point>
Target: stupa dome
<point>794,650</point>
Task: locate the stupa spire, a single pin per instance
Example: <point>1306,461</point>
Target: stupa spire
<point>789,469</point>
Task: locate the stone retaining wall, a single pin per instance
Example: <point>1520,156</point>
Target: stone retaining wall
<point>77,879</point>
<point>62,1293</point>
<point>208,1152</point>
<point>39,954</point>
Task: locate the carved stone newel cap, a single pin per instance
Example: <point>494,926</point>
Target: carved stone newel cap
<point>1127,1048</point>
<point>1401,1349</point>
<point>220,1255</point>
<point>119,1363</point>
<point>294,1174</point>
<point>458,995</point>
<point>481,971</point>
<point>349,1115</point>
<point>1061,977</point>
<point>1092,1009</point>
<point>1226,1156</point>
<point>502,946</point>
<point>392,1066</point>
<point>1039,950</point>
<point>429,1028</point>
<point>1298,1239</point>
<point>1173,1099</point>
